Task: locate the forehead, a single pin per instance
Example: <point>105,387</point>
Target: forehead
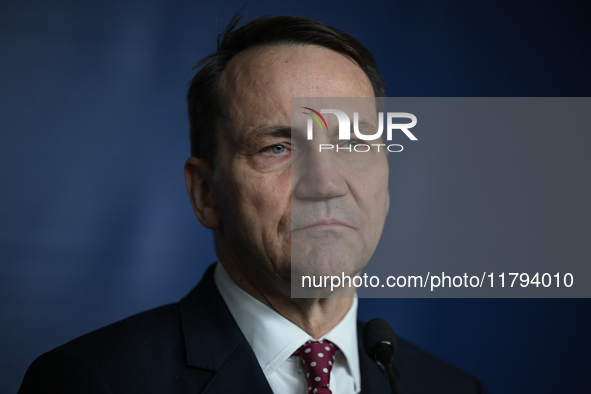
<point>258,84</point>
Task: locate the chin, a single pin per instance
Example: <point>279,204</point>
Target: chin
<point>327,264</point>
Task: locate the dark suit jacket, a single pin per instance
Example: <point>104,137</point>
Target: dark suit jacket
<point>195,346</point>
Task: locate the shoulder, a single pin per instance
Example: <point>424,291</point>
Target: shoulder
<point>151,332</point>
<point>151,352</point>
<point>147,347</point>
<point>421,372</point>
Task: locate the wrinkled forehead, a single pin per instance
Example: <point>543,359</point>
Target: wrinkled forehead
<point>258,84</point>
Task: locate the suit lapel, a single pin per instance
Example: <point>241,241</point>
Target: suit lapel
<point>215,343</point>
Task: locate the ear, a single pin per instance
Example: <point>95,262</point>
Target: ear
<point>199,180</point>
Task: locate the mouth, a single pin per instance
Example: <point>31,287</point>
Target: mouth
<point>324,224</point>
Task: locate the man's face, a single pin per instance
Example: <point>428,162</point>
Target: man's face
<point>331,206</point>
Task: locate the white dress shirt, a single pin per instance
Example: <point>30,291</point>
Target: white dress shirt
<point>273,339</point>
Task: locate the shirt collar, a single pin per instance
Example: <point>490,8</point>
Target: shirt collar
<point>273,338</point>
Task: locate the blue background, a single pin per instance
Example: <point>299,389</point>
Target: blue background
<point>95,223</point>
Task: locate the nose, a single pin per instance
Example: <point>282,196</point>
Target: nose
<point>320,175</point>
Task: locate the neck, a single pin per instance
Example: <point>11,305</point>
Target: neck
<point>316,316</point>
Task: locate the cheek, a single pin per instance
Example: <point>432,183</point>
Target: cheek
<point>270,196</point>
<point>383,196</point>
<point>259,202</point>
<point>375,199</point>
<point>273,209</point>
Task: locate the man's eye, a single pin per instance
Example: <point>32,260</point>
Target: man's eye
<point>277,149</point>
<point>351,143</point>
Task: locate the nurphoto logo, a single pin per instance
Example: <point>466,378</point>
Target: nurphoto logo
<point>345,129</point>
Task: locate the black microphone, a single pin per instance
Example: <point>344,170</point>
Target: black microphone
<point>380,344</point>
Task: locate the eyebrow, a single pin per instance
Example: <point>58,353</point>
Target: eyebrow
<point>363,125</point>
<point>273,131</point>
<point>286,130</point>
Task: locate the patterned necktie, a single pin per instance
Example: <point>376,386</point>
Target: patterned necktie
<point>318,358</point>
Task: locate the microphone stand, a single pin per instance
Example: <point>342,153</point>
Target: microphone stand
<point>384,352</point>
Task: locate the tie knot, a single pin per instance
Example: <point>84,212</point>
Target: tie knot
<point>317,358</point>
